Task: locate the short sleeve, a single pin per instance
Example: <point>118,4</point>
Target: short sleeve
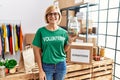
<point>37,39</point>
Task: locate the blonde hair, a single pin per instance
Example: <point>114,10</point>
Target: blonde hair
<point>51,8</point>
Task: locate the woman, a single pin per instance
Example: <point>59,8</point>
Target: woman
<point>50,46</point>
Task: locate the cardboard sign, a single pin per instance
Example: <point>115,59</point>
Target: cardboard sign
<point>79,55</point>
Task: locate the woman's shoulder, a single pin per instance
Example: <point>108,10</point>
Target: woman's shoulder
<point>41,28</point>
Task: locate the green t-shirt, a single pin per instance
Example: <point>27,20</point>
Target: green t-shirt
<point>52,44</point>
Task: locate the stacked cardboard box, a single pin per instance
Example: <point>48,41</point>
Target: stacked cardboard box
<point>28,38</point>
<point>83,25</point>
<point>64,20</point>
<point>69,3</point>
<point>91,39</point>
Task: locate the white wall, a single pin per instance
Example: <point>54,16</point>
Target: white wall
<point>30,13</point>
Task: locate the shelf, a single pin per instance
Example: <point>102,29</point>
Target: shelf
<point>98,70</point>
<point>79,6</point>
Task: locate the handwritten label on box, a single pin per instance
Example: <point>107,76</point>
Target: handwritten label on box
<point>80,55</point>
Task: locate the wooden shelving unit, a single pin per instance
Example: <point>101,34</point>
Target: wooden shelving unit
<point>99,70</point>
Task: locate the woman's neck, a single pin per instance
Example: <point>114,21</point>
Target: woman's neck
<point>52,27</point>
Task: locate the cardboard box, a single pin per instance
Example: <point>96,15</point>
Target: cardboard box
<point>83,26</point>
<point>69,3</point>
<point>83,23</point>
<point>91,39</point>
<point>70,13</point>
<point>80,53</point>
<point>28,38</point>
<point>64,17</point>
<point>63,22</point>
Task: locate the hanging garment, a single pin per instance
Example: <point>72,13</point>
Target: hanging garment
<point>15,39</point>
<point>0,43</point>
<point>21,39</point>
<point>6,44</point>
<point>18,34</point>
<point>0,46</point>
<point>9,31</point>
<point>7,41</point>
<point>3,43</point>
